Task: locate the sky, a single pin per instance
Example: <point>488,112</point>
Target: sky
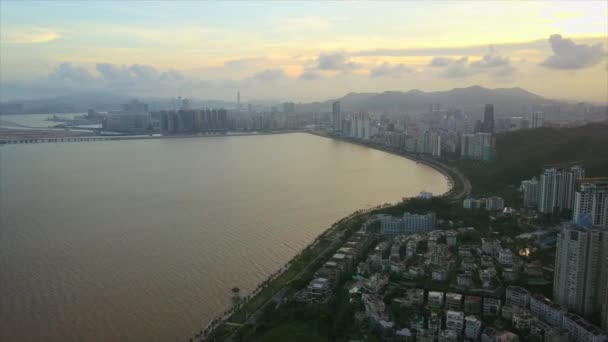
<point>301,51</point>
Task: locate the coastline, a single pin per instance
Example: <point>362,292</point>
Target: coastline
<point>455,178</point>
<point>224,328</point>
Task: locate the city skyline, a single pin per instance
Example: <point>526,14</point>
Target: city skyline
<point>301,51</point>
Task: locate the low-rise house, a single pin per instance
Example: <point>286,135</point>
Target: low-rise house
<point>546,310</point>
<point>434,322</point>
<point>487,277</point>
<point>544,332</point>
<point>579,330</point>
<point>491,306</point>
<point>439,274</point>
<point>453,301</point>
<point>505,256</point>
<point>464,280</point>
<point>454,320</point>
<point>522,318</point>
<point>490,246</point>
<point>319,289</point>
<point>415,297</point>
<point>509,274</point>
<point>487,261</point>
<point>439,254</point>
<point>425,335</point>
<point>411,248</point>
<point>517,296</point>
<point>491,334</point>
<point>417,321</point>
<point>435,299</point>
<point>404,335</point>
<point>472,327</point>
<point>465,251</point>
<point>468,264</point>
<point>374,308</point>
<point>556,336</point>
<point>451,237</point>
<point>448,336</point>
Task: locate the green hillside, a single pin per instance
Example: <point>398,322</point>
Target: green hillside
<point>522,154</point>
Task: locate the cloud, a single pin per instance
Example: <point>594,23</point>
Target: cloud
<point>491,60</point>
<point>441,61</point>
<point>309,75</point>
<point>70,73</point>
<point>135,74</point>
<point>393,70</point>
<point>30,36</point>
<point>243,63</point>
<point>491,63</point>
<point>336,61</point>
<point>569,55</point>
<point>106,77</point>
<point>269,75</point>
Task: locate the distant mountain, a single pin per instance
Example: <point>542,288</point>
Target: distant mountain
<point>77,102</point>
<point>100,101</point>
<point>394,102</point>
<point>417,100</point>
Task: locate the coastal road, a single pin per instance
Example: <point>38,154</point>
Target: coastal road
<point>280,294</point>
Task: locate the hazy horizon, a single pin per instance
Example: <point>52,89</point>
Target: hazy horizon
<point>301,51</point>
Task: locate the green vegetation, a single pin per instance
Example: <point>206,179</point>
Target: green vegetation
<point>298,275</point>
<point>522,154</point>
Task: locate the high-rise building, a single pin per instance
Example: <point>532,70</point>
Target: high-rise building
<point>476,146</point>
<point>537,119</point>
<point>580,269</point>
<point>238,101</point>
<point>530,189</point>
<point>134,118</point>
<point>193,121</point>
<point>430,143</point>
<point>591,203</point>
<point>557,187</point>
<point>488,119</point>
<point>289,108</point>
<point>336,117</point>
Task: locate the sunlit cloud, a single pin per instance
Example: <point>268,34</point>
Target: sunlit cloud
<point>29,36</point>
<point>569,55</point>
<point>492,62</point>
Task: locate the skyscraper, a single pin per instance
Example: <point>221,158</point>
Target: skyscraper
<point>530,188</point>
<point>488,119</point>
<point>477,146</point>
<point>591,203</point>
<point>537,119</point>
<point>336,117</point>
<point>580,269</point>
<point>430,143</point>
<point>557,187</point>
<point>238,100</point>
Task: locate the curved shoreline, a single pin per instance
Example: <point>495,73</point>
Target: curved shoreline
<point>224,320</point>
<point>455,178</point>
